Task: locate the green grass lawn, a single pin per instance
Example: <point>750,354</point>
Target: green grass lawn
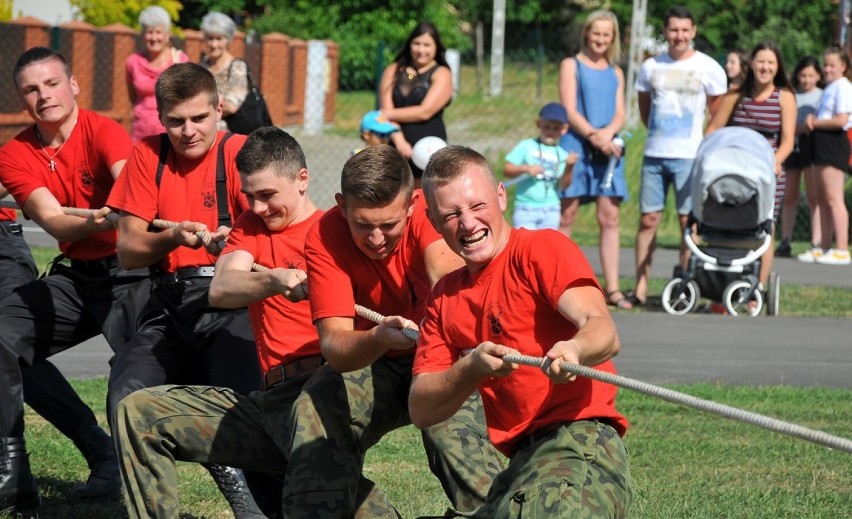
<point>684,463</point>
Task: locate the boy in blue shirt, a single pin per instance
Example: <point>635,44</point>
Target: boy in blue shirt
<point>541,169</point>
<point>375,130</point>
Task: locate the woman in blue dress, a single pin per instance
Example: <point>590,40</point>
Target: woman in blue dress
<point>591,86</point>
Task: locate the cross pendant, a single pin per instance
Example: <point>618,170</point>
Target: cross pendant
<point>52,165</point>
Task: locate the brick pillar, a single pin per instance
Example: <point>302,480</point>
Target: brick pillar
<point>82,58</point>
<point>36,32</point>
<point>124,44</point>
<point>275,74</point>
<point>299,71</point>
<point>193,44</point>
<point>238,45</point>
<point>332,71</point>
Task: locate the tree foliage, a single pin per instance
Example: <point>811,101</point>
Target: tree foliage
<point>105,12</point>
<point>6,10</point>
<point>362,29</point>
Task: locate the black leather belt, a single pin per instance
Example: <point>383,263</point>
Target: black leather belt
<point>95,265</point>
<point>283,372</point>
<point>11,227</point>
<point>539,434</point>
<point>187,273</point>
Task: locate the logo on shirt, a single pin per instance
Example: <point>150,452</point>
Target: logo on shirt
<point>87,178</point>
<point>295,262</point>
<point>208,199</point>
<point>494,313</point>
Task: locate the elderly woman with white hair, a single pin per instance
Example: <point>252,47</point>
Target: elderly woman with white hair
<point>231,74</point>
<point>144,67</point>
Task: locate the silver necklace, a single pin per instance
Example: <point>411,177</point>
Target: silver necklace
<point>52,158</point>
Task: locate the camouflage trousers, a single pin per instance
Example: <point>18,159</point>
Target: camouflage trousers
<point>578,471</point>
<point>160,425</point>
<point>339,416</point>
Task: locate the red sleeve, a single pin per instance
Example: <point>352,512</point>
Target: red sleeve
<point>113,141</point>
<point>244,235</point>
<point>554,263</point>
<point>433,354</point>
<point>329,283</point>
<point>135,191</point>
<point>420,224</point>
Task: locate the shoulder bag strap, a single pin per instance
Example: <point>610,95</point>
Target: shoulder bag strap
<point>580,89</point>
<point>222,184</point>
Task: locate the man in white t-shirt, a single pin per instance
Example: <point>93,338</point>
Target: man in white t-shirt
<point>675,89</point>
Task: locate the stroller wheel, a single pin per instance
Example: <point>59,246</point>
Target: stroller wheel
<point>773,287</point>
<point>679,298</point>
<point>737,302</point>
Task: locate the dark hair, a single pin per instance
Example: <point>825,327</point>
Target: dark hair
<point>802,64</point>
<point>678,11</point>
<point>403,57</point>
<point>745,66</point>
<point>844,57</point>
<point>376,175</point>
<point>183,81</point>
<point>36,55</point>
<point>449,163</point>
<point>271,147</point>
<point>780,80</point>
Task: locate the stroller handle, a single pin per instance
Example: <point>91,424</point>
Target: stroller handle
<point>748,259</point>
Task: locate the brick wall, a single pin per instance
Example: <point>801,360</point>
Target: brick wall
<point>97,55</point>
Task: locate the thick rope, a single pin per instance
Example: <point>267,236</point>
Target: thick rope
<point>766,422</point>
<point>376,317</point>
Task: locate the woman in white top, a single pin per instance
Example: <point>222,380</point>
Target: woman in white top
<point>831,148</point>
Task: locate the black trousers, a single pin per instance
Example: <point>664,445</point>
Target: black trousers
<point>183,340</point>
<point>49,315</point>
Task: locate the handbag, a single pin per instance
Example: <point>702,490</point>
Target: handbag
<point>596,156</point>
<point>252,113</point>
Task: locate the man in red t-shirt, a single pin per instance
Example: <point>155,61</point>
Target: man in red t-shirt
<point>238,430</point>
<point>187,176</point>
<point>528,292</point>
<point>70,157</point>
<point>378,250</point>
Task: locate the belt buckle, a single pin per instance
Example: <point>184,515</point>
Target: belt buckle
<point>278,373</point>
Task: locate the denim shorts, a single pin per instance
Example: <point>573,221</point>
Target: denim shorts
<point>531,217</point>
<point>657,175</point>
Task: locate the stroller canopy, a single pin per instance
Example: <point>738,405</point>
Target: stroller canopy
<point>733,179</point>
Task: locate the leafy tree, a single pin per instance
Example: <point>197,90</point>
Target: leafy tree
<point>361,28</point>
<point>105,12</point>
<point>6,10</point>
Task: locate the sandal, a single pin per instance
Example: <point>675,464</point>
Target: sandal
<point>635,301</point>
<point>622,303</point>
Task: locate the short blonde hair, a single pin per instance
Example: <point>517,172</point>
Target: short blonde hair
<point>613,53</point>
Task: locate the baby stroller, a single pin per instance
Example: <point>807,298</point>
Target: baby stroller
<point>733,189</point>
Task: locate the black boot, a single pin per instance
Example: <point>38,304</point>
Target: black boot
<point>232,484</point>
<point>99,451</point>
<point>18,488</point>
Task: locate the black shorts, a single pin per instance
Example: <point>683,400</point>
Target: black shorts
<point>802,155</point>
<point>831,148</point>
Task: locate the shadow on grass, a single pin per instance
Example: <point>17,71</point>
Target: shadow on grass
<point>55,504</point>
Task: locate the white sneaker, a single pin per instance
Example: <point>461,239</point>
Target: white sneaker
<point>811,255</point>
<point>834,257</point>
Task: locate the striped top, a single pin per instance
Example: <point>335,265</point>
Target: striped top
<point>763,117</point>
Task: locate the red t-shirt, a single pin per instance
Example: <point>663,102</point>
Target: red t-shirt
<point>512,301</point>
<point>189,194</point>
<point>82,177</point>
<point>340,275</point>
<point>283,330</point>
<point>8,215</point>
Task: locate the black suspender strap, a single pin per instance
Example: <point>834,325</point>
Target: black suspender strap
<point>161,160</point>
<point>222,184</point>
<point>224,217</point>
